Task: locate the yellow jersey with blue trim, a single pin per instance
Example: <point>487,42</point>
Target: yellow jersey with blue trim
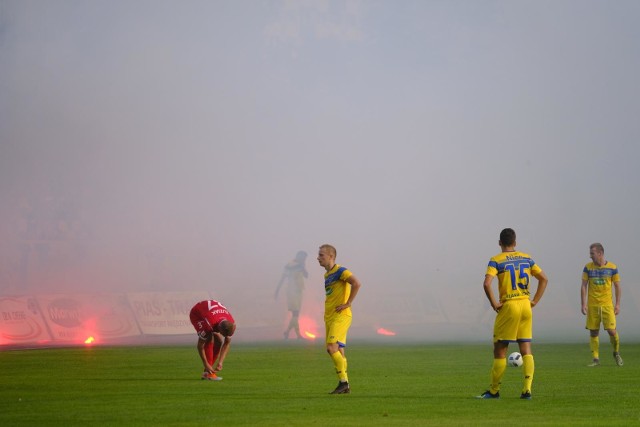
<point>599,280</point>
<point>513,270</point>
<point>336,290</point>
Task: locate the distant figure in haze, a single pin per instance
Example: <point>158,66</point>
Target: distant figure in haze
<point>214,326</point>
<point>294,274</point>
<point>597,301</point>
<point>341,288</point>
<point>514,319</point>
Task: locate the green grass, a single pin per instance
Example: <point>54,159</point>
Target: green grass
<point>288,385</point>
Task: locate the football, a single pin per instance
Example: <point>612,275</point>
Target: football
<point>514,359</point>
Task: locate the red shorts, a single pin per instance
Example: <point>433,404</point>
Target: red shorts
<point>200,324</point>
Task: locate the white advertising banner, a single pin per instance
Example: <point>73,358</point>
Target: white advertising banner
<point>78,317</point>
<point>21,321</point>
<point>165,313</point>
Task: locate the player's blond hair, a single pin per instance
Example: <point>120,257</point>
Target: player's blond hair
<point>330,249</point>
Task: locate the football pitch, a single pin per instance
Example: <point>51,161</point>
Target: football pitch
<point>287,384</point>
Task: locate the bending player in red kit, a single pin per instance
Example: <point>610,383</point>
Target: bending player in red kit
<point>214,326</point>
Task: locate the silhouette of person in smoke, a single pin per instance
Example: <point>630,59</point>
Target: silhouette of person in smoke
<point>294,274</point>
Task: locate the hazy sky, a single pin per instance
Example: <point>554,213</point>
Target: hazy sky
<point>218,138</point>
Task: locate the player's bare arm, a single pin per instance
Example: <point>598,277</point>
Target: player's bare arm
<point>618,291</point>
<point>542,286</point>
<point>495,305</point>
<point>355,287</point>
<point>583,297</point>
<point>223,353</point>
<point>282,279</point>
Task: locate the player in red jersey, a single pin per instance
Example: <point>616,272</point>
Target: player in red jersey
<point>214,326</point>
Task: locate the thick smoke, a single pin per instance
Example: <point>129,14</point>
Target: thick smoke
<point>178,147</point>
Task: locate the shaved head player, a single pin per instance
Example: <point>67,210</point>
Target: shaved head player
<point>340,287</point>
<point>215,326</point>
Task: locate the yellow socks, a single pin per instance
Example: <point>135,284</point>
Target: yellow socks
<point>615,342</point>
<point>499,366</point>
<point>594,344</point>
<point>527,367</point>
<point>497,371</point>
<point>341,366</point>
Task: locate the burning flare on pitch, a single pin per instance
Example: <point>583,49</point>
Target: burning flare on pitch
<point>89,340</point>
<point>383,331</point>
<point>310,335</point>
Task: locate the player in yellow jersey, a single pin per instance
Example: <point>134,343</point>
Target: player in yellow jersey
<point>341,287</point>
<point>514,319</point>
<point>598,277</point>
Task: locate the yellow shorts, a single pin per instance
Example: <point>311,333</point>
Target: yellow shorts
<point>336,328</point>
<point>514,322</point>
<point>600,314</point>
